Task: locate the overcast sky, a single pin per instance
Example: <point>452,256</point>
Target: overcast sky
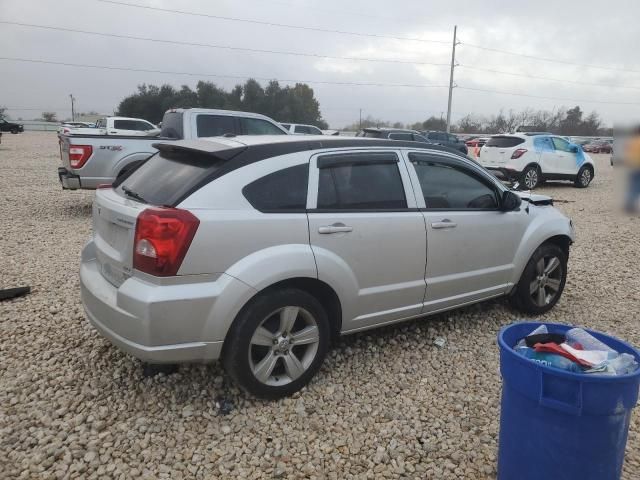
<point>577,31</point>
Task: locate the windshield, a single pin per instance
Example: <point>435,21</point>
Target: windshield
<point>166,177</point>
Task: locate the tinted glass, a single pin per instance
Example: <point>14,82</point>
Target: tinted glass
<point>372,134</point>
<point>445,186</point>
<point>215,125</point>
<point>172,125</point>
<point>127,125</point>
<point>453,138</point>
<point>255,126</point>
<point>401,136</point>
<point>282,190</point>
<point>302,129</point>
<point>165,178</point>
<point>361,187</point>
<point>561,144</point>
<point>419,138</point>
<point>286,125</point>
<point>504,141</point>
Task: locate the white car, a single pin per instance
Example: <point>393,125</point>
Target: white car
<point>66,127</point>
<point>299,129</point>
<point>135,127</point>
<point>531,158</point>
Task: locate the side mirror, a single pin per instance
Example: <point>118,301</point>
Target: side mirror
<point>510,201</point>
<point>573,148</point>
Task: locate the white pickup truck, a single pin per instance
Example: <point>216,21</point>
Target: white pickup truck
<point>90,159</point>
<point>135,127</point>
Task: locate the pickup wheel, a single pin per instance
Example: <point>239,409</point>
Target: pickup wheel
<point>542,281</point>
<point>584,177</point>
<point>277,343</point>
<point>14,130</point>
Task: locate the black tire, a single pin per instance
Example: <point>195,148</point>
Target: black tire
<point>584,177</point>
<point>522,298</point>
<point>241,357</point>
<point>14,131</point>
<point>530,178</point>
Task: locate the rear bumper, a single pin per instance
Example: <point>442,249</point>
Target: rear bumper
<point>156,323</point>
<point>68,180</point>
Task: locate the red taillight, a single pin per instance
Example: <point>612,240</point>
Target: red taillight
<point>162,238</point>
<point>102,186</point>
<point>518,153</point>
<point>79,154</point>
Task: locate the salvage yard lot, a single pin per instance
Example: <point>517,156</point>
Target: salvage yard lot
<point>387,403</point>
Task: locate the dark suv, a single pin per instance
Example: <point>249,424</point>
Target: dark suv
<point>10,127</point>
<point>393,134</point>
<point>446,139</point>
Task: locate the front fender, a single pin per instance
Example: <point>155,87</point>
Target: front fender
<point>548,223</point>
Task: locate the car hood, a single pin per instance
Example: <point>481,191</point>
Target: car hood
<point>535,198</point>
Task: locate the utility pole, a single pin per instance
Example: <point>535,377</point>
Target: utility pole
<point>73,112</point>
<point>453,65</point>
<point>360,119</point>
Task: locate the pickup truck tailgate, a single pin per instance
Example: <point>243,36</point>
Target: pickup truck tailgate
<point>114,223</point>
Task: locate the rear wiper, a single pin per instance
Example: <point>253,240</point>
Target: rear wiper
<point>130,193</point>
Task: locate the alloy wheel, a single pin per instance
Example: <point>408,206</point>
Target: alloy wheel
<point>531,178</point>
<point>548,278</point>
<point>283,346</point>
<point>585,177</point>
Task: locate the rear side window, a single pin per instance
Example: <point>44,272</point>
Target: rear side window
<point>504,141</point>
<point>360,182</point>
<point>256,126</point>
<point>130,125</point>
<point>284,190</point>
<point>166,177</point>
<point>215,125</point>
<point>302,129</point>
<point>401,136</point>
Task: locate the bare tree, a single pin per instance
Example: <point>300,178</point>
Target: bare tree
<point>49,116</point>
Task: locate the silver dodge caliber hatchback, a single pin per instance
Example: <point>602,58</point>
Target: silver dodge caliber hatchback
<point>260,250</point>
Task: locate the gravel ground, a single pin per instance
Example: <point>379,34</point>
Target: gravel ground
<point>386,404</point>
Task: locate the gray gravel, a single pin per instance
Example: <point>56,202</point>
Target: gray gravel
<point>387,403</point>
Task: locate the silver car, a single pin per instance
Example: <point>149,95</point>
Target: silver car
<point>261,250</point>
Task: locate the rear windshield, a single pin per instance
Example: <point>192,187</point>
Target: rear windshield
<point>172,126</point>
<point>166,178</point>
<point>504,142</point>
<point>372,134</point>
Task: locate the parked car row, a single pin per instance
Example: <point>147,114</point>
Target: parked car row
<point>260,250</point>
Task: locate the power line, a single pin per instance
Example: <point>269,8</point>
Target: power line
<point>544,59</point>
<point>241,77</point>
<point>224,47</point>
<point>273,24</point>
<point>546,98</point>
<point>502,72</point>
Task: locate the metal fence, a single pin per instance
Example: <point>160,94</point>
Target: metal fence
<point>39,126</point>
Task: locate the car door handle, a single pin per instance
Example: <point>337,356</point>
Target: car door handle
<point>446,223</point>
<point>335,228</point>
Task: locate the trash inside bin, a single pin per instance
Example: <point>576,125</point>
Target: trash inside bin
<point>565,410</point>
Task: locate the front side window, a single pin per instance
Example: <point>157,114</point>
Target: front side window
<point>215,125</point>
<point>372,134</point>
<point>401,136</point>
<point>368,181</point>
<point>285,189</point>
<point>447,186</point>
<point>256,126</point>
<point>561,144</point>
<point>303,129</point>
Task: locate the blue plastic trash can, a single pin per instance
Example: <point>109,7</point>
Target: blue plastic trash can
<point>561,425</point>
